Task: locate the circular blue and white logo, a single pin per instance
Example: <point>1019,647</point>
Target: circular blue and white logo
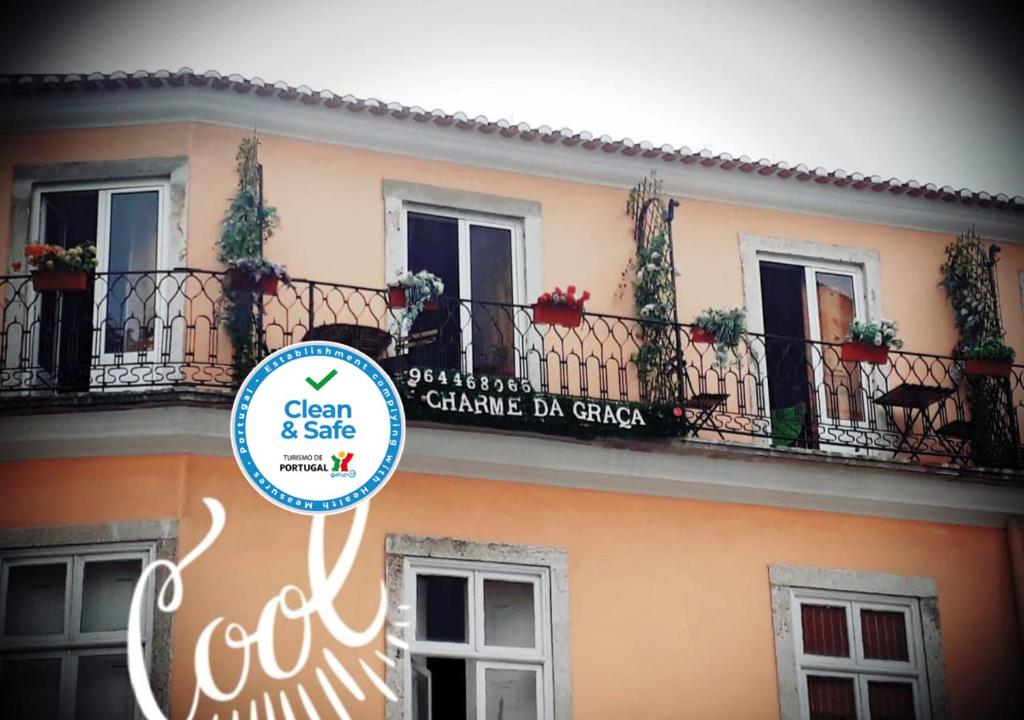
<point>317,428</point>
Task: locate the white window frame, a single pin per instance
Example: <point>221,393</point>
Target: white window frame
<point>73,643</point>
<point>915,597</point>
<point>865,266</point>
<point>165,261</point>
<point>409,555</point>
<point>476,649</point>
<point>522,217</point>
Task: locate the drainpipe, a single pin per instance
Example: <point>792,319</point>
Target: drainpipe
<point>1015,538</point>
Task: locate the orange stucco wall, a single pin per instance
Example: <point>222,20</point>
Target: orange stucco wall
<point>669,600</point>
<point>332,223</point>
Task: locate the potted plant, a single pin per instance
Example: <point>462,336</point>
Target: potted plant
<point>55,268</point>
<point>256,275</point>
<point>993,358</point>
<point>423,288</point>
<point>722,328</point>
<point>560,308</point>
<point>870,342</point>
<point>415,292</point>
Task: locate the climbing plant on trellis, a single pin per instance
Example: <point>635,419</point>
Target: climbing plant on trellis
<point>653,274</point>
<point>969,278</point>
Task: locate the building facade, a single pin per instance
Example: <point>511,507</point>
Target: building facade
<point>590,520</point>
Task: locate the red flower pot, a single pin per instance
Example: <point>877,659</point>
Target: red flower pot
<point>60,280</point>
<point>988,368</point>
<point>396,299</point>
<point>239,281</point>
<point>700,335</point>
<point>863,352</point>
<point>564,315</point>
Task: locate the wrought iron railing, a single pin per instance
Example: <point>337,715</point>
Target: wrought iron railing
<point>162,330</point>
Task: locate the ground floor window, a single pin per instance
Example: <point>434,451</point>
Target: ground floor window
<point>857,646</point>
<point>486,629</point>
<point>63,629</point>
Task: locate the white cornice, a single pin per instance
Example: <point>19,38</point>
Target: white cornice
<point>713,472</point>
<point>426,140</point>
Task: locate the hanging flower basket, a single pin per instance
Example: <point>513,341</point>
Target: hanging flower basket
<point>60,280</point>
<point>557,314</point>
<point>856,352</point>
<point>988,368</point>
<point>397,299</point>
<point>700,335</point>
<point>241,281</point>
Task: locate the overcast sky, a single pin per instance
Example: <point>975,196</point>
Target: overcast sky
<point>914,90</point>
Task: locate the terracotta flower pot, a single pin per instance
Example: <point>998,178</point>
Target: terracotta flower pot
<point>988,368</point>
<point>700,335</point>
<point>239,281</point>
<point>60,280</point>
<point>863,352</point>
<point>396,299</point>
<point>564,315</point>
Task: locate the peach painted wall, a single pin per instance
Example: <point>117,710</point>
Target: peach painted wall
<point>329,199</point>
<point>669,603</point>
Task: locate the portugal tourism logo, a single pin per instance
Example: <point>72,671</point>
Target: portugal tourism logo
<point>317,428</point>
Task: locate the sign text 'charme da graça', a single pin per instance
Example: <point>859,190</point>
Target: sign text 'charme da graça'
<point>450,396</point>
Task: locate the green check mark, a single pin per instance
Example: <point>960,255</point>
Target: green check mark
<point>319,385</point>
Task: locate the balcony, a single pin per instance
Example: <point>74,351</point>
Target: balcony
<point>158,336</point>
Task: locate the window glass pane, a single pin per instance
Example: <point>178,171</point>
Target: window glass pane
<point>35,599</point>
<point>490,263</point>
<point>891,700</point>
<point>131,298</point>
<point>107,588</point>
<point>831,698</point>
<point>104,691</point>
<point>30,688</point>
<point>825,631</point>
<point>511,694</point>
<point>449,687</point>
<point>66,319</point>
<point>509,614</point>
<point>885,635</point>
<point>837,308</point>
<point>441,603</point>
<point>436,337</point>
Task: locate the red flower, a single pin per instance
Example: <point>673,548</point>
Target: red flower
<point>571,290</point>
<point>558,290</point>
<point>586,296</point>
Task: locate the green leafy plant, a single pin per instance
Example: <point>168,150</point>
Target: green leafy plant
<point>420,288</point>
<point>879,334</point>
<point>259,269</point>
<point>729,328</point>
<point>966,280</point>
<point>991,349</point>
<point>247,226</point>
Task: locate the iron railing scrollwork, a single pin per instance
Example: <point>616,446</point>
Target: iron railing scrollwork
<point>165,330</point>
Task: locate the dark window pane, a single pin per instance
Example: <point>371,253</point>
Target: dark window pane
<point>66,319</point>
<point>433,245</point>
<point>35,600</point>
<point>891,700</point>
<point>131,298</point>
<point>107,590</point>
<point>831,698</point>
<point>490,263</point>
<point>824,629</point>
<point>449,697</point>
<point>441,608</point>
<point>885,635</point>
<point>104,690</point>
<point>30,688</point>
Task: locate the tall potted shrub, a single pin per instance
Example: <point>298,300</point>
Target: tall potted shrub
<point>246,228</point>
